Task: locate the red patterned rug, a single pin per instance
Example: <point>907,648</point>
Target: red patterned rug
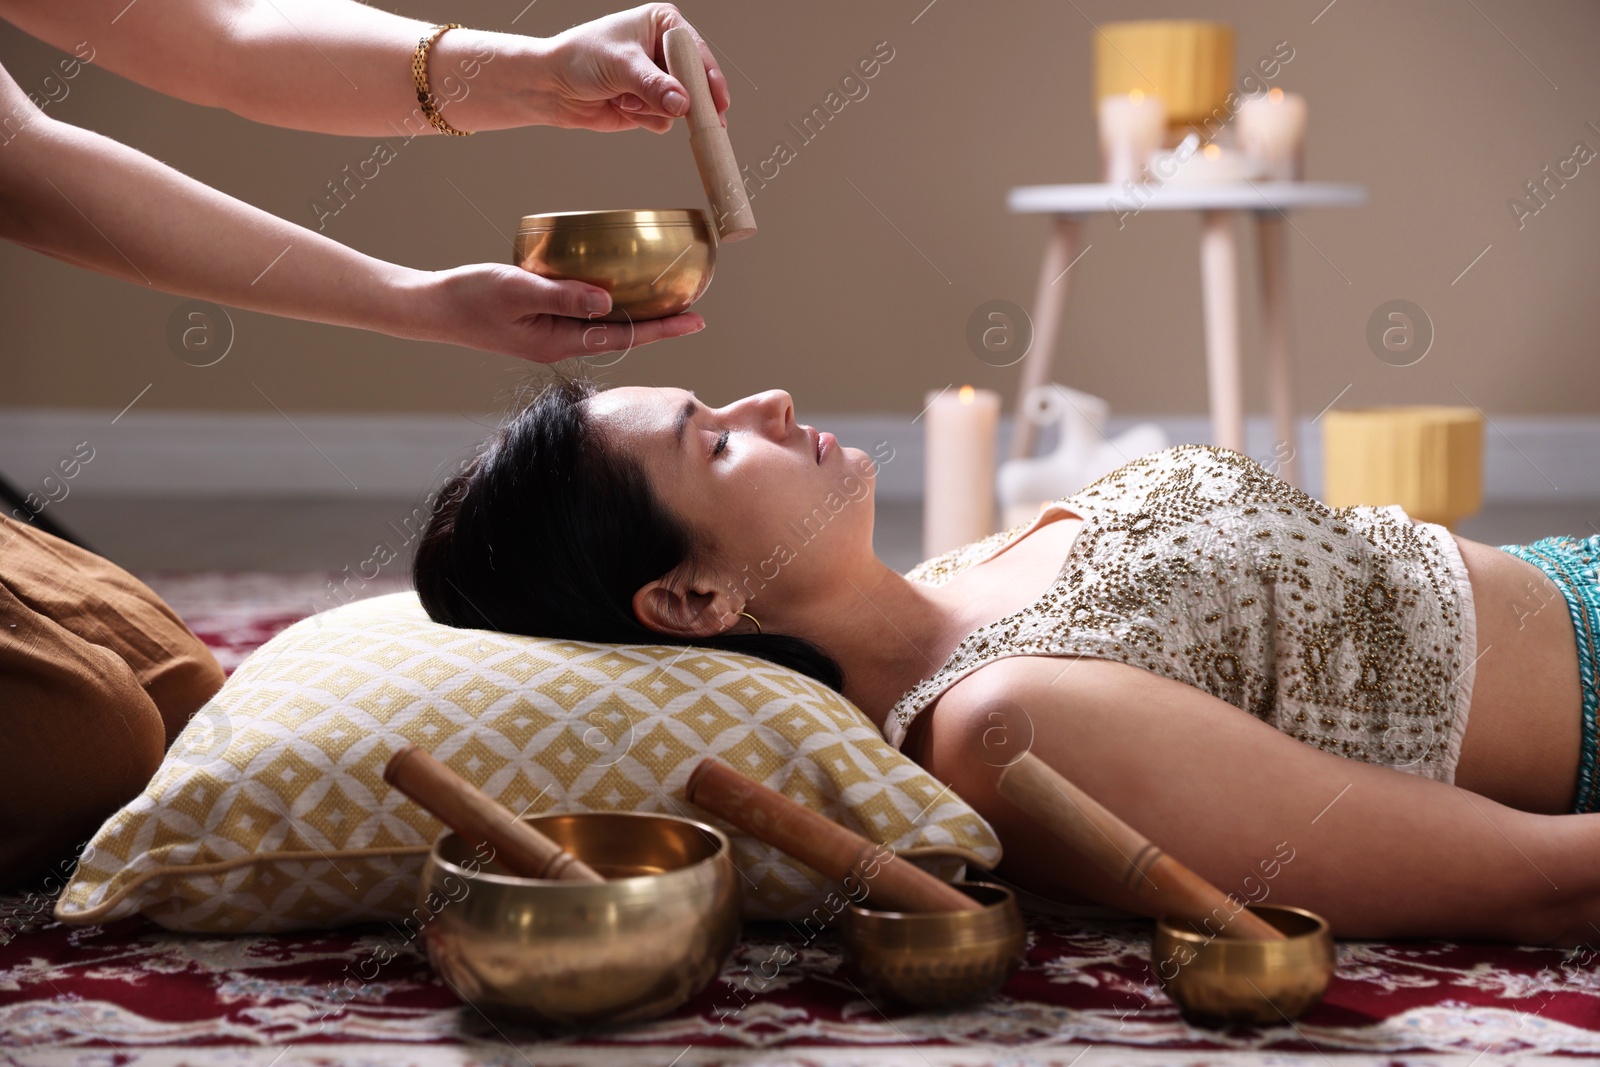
<point>130,992</point>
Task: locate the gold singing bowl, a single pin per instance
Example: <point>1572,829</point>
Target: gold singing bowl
<point>653,263</point>
<point>637,946</point>
<point>1243,980</point>
<point>932,959</point>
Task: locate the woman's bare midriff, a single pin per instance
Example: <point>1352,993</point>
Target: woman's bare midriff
<point>1525,723</point>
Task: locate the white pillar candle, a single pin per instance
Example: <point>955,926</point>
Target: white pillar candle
<point>1212,164</point>
<point>1272,128</point>
<point>961,435</point>
<point>1131,127</point>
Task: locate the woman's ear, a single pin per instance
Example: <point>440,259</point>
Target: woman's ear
<point>666,607</point>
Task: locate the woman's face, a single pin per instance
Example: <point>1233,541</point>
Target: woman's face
<point>748,479</point>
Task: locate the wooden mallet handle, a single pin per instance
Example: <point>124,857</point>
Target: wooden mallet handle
<point>708,139</point>
<point>819,843</point>
<point>480,819</point>
<point>1122,852</point>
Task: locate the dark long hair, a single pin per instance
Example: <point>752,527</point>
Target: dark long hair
<point>549,532</point>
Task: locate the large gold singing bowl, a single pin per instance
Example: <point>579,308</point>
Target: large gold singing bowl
<point>1224,980</point>
<point>581,954</point>
<point>940,958</point>
<point>653,263</point>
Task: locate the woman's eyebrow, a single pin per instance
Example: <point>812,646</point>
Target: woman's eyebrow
<point>683,418</point>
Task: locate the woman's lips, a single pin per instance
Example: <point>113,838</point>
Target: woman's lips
<point>821,441</point>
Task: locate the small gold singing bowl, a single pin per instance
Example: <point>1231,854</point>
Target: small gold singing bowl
<point>576,954</point>
<point>653,263</point>
<point>1227,980</point>
<point>934,959</point>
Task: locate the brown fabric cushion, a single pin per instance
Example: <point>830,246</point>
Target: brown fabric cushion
<point>97,676</point>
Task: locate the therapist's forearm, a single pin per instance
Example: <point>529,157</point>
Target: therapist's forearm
<point>357,78</point>
<point>329,66</point>
<point>86,199</point>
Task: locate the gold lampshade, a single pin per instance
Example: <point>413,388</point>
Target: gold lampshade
<point>1427,459</point>
<point>1188,64</point>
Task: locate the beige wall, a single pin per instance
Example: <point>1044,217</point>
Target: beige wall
<point>1427,103</point>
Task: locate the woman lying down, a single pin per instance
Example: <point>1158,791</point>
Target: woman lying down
<point>1218,658</point>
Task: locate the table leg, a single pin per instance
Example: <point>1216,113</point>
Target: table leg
<point>1275,316</point>
<point>1048,300</point>
<point>1219,285</point>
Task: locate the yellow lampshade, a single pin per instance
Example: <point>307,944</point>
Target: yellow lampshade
<point>1188,64</point>
<point>1427,459</point>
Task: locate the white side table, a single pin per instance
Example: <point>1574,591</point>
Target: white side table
<point>1218,204</point>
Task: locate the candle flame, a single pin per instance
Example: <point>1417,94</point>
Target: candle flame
<point>1212,151</point>
<point>1137,96</point>
<point>1276,95</point>
<point>967,393</point>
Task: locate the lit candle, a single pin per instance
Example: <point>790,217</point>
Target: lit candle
<point>1272,129</point>
<point>1209,165</point>
<point>1131,127</point>
<point>961,434</point>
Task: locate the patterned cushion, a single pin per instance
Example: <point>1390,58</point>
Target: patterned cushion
<point>270,811</point>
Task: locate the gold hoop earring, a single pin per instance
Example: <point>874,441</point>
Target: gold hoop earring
<point>753,619</point>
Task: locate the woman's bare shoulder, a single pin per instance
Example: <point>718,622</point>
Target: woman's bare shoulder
<point>1029,685</point>
<point>1010,690</point>
<point>1015,703</point>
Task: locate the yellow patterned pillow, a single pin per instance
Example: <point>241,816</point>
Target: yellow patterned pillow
<point>270,811</point>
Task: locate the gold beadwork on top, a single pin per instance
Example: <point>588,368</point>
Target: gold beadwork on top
<point>1191,563</point>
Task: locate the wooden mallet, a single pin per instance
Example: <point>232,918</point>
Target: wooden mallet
<point>1122,852</point>
<point>480,819</point>
<point>708,139</point>
<point>818,842</point>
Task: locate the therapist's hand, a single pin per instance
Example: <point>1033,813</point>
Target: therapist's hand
<point>610,74</point>
<point>497,307</point>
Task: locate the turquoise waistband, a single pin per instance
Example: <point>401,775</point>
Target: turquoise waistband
<point>1571,563</point>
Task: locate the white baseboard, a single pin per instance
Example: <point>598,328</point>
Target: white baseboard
<point>1549,459</point>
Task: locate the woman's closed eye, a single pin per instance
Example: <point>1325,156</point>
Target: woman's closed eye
<point>722,443</point>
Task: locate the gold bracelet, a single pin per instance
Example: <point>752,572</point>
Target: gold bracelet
<point>419,76</point>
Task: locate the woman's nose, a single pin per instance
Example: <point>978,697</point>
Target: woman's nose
<point>771,412</point>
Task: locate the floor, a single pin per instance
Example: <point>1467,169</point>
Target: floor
<point>289,534</point>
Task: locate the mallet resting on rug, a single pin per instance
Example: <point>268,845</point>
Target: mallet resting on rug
<point>1090,827</point>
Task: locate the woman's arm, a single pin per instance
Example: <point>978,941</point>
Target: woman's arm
<point>93,202</point>
<point>1260,814</point>
<point>341,67</point>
